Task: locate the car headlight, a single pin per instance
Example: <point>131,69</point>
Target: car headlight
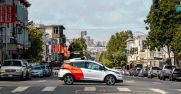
<point>18,70</point>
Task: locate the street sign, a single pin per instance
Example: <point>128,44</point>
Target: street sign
<point>114,55</point>
<point>178,8</point>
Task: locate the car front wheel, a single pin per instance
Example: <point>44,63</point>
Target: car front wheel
<point>68,79</point>
<point>110,80</point>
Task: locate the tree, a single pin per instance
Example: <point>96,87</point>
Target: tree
<point>177,46</point>
<point>116,48</point>
<point>78,45</point>
<point>34,53</point>
<point>163,23</point>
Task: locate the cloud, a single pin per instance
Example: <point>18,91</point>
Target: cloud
<point>90,13</point>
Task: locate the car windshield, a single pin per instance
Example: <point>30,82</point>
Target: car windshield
<point>178,70</point>
<point>43,67</point>
<point>12,63</point>
<point>36,68</point>
<point>156,68</point>
<point>170,67</point>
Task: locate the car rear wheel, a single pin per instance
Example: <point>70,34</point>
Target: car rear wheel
<point>110,80</point>
<point>68,79</point>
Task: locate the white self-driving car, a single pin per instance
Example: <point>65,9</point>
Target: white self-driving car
<point>88,71</point>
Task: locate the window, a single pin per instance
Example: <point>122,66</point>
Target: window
<point>78,64</point>
<point>12,63</point>
<point>93,66</point>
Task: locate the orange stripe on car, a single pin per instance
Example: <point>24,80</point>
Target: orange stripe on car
<point>77,72</point>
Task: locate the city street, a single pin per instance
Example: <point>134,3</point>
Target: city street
<point>131,85</point>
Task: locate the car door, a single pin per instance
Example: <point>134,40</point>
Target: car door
<point>93,71</point>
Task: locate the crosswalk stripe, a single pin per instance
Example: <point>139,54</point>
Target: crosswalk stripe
<point>156,83</point>
<point>48,89</point>
<point>20,89</point>
<point>158,91</point>
<point>179,90</point>
<point>130,81</point>
<point>90,89</point>
<point>123,89</point>
<point>40,81</point>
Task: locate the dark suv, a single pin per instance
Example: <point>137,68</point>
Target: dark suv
<point>166,71</point>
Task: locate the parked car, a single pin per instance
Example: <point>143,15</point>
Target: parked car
<point>15,68</point>
<point>140,74</point>
<point>154,72</point>
<point>55,71</point>
<point>166,71</point>
<point>143,72</point>
<point>137,71</point>
<point>37,71</point>
<point>46,70</point>
<point>88,71</point>
<point>175,74</point>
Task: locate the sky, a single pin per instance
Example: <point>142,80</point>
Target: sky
<point>100,18</point>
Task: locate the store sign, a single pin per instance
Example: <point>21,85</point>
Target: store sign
<point>2,13</point>
<point>9,15</point>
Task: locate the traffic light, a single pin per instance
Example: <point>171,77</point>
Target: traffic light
<point>156,4</point>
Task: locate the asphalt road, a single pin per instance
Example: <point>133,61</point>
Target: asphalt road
<point>50,85</point>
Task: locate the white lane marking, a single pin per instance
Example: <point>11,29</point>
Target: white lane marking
<point>158,91</point>
<point>179,90</point>
<point>48,89</point>
<point>123,89</point>
<point>156,83</point>
<point>90,89</point>
<point>40,81</point>
<point>1,88</point>
<point>130,81</point>
<point>20,89</point>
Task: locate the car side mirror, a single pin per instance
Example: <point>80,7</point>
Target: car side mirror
<point>23,65</point>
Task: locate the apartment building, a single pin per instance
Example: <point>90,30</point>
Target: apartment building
<point>13,28</point>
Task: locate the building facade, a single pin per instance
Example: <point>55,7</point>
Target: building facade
<point>13,28</point>
<point>138,52</point>
<point>140,55</point>
<point>54,42</point>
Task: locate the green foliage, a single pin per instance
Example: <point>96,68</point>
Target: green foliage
<point>78,45</point>
<point>176,44</point>
<point>163,23</point>
<point>34,53</point>
<point>115,55</point>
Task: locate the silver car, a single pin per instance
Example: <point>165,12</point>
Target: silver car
<point>154,72</point>
<point>37,71</point>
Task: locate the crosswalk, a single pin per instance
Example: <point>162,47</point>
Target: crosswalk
<point>20,89</point>
<point>107,90</point>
